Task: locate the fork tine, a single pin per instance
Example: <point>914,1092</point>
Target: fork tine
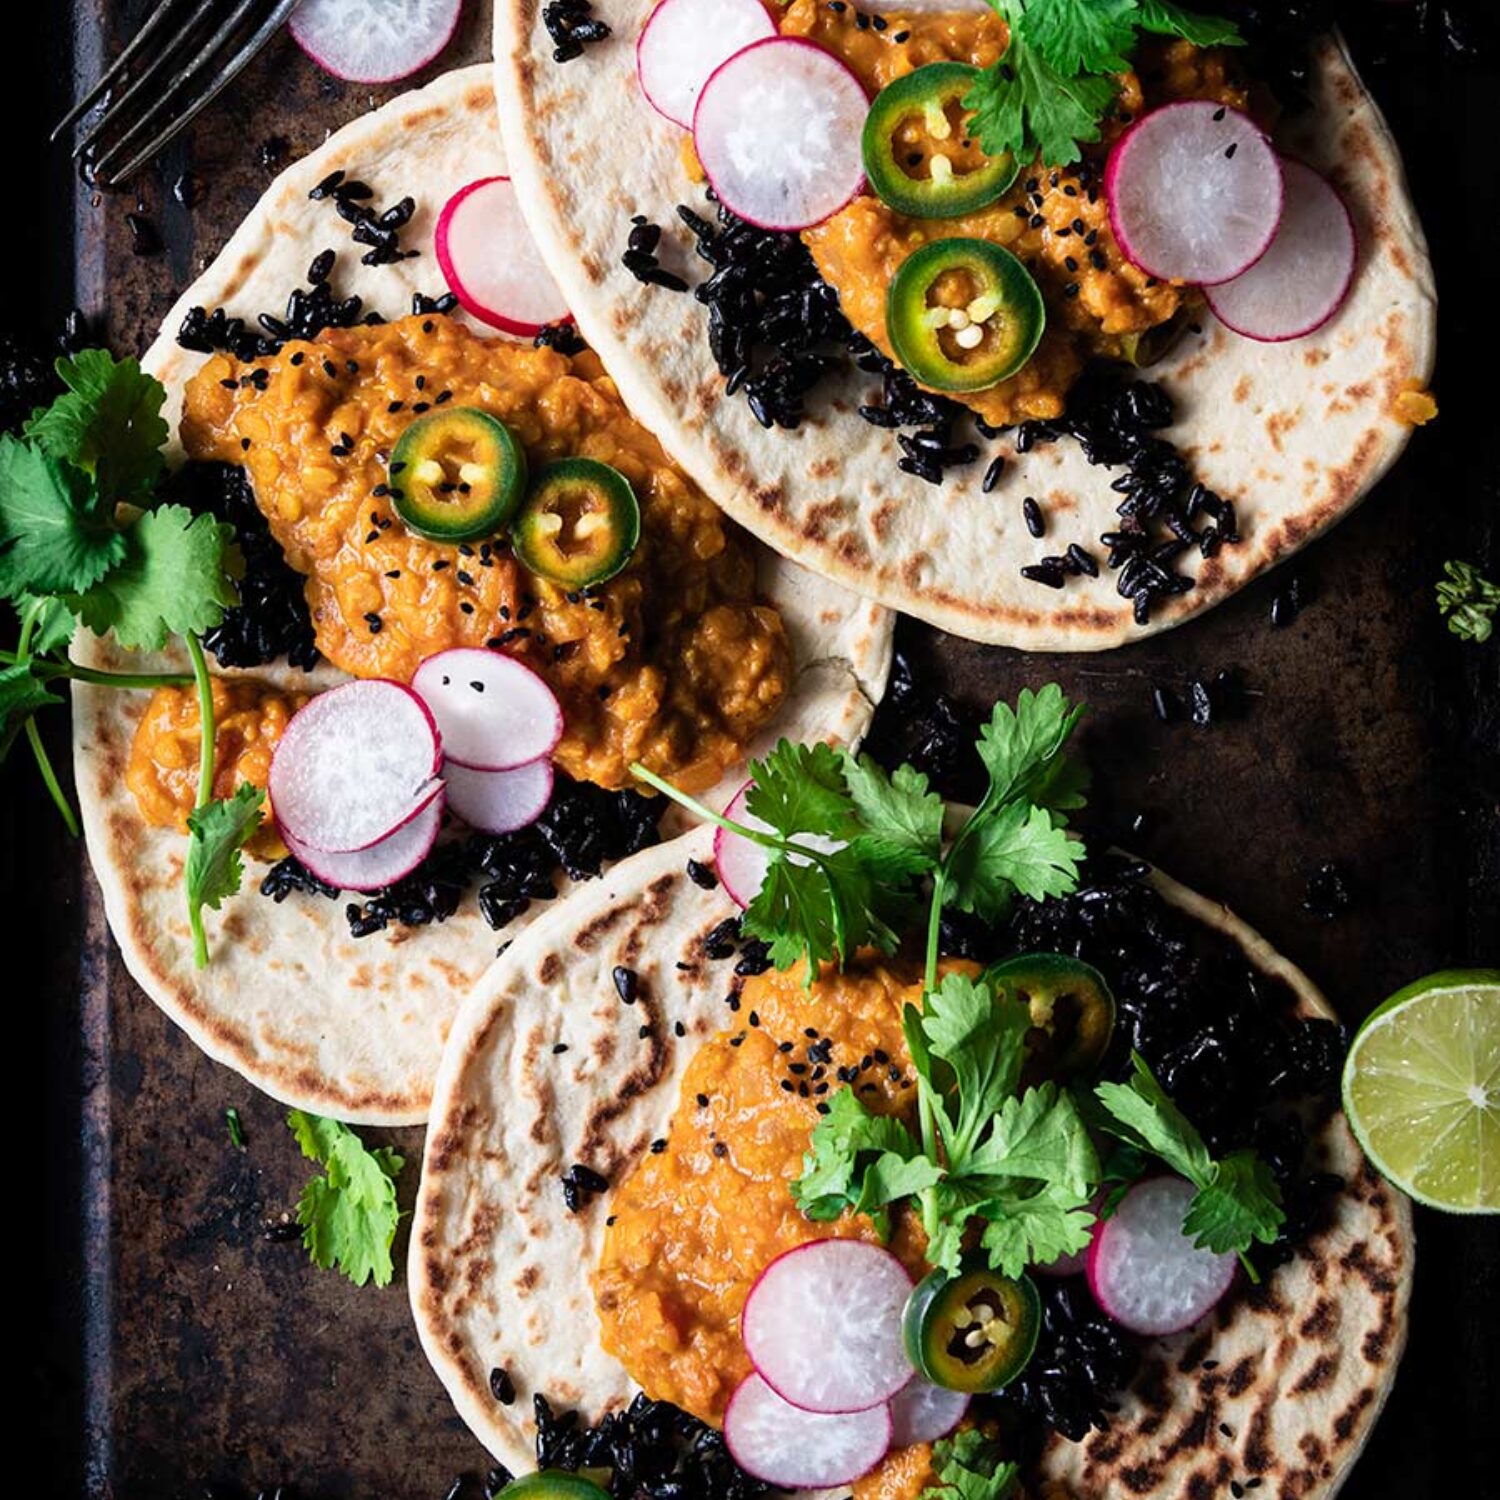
<point>119,107</point>
<point>248,50</point>
<point>148,29</point>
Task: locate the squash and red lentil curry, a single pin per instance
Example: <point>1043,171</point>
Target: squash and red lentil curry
<point>695,1223</point>
<point>674,660</point>
<point>1054,220</point>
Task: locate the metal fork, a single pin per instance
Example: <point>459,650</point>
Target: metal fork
<point>182,58</point>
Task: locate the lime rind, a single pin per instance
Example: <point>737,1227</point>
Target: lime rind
<point>1422,1090</point>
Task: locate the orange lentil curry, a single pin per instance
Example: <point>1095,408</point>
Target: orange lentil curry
<point>1055,220</point>
<point>675,661</point>
<point>694,1224</point>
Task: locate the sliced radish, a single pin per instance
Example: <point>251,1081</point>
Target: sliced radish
<point>683,44</point>
<point>1194,192</point>
<point>382,863</point>
<point>354,765</point>
<point>499,801</point>
<point>1145,1272</point>
<point>923,1412</point>
<point>492,264</point>
<point>777,129</point>
<point>822,1326</point>
<point>741,864</point>
<point>374,41</point>
<point>1303,279</point>
<point>493,712</point>
<point>797,1449</point>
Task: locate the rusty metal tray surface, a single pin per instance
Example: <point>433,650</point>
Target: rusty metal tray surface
<point>177,1351</point>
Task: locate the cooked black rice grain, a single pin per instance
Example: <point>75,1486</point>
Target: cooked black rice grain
<point>572,26</point>
<point>379,229</point>
<point>271,620</point>
<point>652,1450</point>
<point>564,337</point>
<point>1330,891</point>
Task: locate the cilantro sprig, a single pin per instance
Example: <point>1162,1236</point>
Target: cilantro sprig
<point>968,1466</point>
<point>348,1214</point>
<point>1468,601</point>
<point>1050,91</point>
<point>85,541</point>
<point>1238,1201</point>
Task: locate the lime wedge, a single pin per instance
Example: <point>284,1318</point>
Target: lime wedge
<point>1422,1090</point>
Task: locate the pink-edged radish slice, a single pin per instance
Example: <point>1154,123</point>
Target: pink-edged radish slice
<point>354,765</point>
<point>499,801</point>
<point>1145,1272</point>
<point>778,129</point>
<point>801,1450</point>
<point>822,1326</point>
<point>923,1412</point>
<point>493,712</point>
<point>742,864</point>
<point>1194,192</point>
<point>683,44</point>
<point>1303,279</point>
<point>492,264</point>
<point>383,863</point>
<point>373,41</point>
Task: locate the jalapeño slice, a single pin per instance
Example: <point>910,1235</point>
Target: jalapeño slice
<point>963,314</point>
<point>553,1484</point>
<point>974,1331</point>
<point>579,524</point>
<point>1072,1012</point>
<point>919,156</point>
<point>457,475</point>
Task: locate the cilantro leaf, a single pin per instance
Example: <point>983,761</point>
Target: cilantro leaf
<point>828,1184</point>
<point>1039,1135</point>
<point>1035,1229</point>
<point>1025,106</point>
<point>1202,31</point>
<point>348,1215</point>
<point>1081,36</point>
<point>982,1039</point>
<point>1240,1205</point>
<point>217,832</point>
<point>893,1176</point>
<point>108,424</point>
<point>1146,1118</point>
<point>1468,600</point>
<point>55,534</point>
<point>1017,848</point>
<point>1020,748</point>
<point>175,578</point>
<point>800,789</point>
<point>54,624</point>
<point>901,818</point>
<point>969,1467</point>
<point>21,695</point>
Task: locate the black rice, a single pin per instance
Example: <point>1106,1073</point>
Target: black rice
<point>572,26</point>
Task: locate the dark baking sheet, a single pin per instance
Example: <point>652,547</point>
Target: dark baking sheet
<point>176,1352</point>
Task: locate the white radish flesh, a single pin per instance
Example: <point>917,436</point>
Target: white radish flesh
<point>683,44</point>
<point>777,129</point>
<point>382,863</point>
<point>493,712</point>
<point>796,1449</point>
<point>1303,279</point>
<point>499,801</point>
<point>822,1326</point>
<point>354,765</point>
<point>1194,192</point>
<point>492,264</point>
<point>1145,1272</point>
<point>373,41</point>
<point>923,1412</point>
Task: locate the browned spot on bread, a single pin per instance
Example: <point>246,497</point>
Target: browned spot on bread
<point>550,970</point>
<point>1319,1373</point>
<point>1321,1321</point>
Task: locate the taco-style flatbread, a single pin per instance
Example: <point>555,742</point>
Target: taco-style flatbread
<point>549,1072</point>
<point>353,1027</point>
<point>1292,434</point>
